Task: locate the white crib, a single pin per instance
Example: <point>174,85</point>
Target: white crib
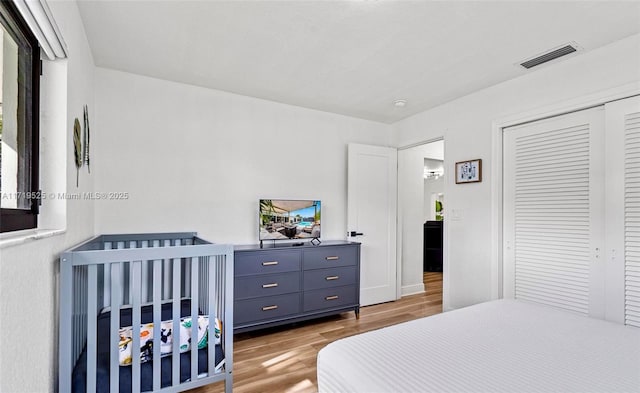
<point>164,279</point>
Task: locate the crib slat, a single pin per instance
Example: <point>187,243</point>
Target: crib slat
<point>157,315</point>
<point>211,263</point>
<point>194,319</point>
<point>92,315</point>
<point>135,321</point>
<point>227,290</point>
<point>66,323</point>
<point>221,282</point>
<point>116,291</point>
<point>175,317</point>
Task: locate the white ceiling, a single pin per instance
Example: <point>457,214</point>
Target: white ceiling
<point>349,57</point>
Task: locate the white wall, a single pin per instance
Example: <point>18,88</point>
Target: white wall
<point>29,271</point>
<point>196,159</point>
<point>411,214</point>
<point>466,125</point>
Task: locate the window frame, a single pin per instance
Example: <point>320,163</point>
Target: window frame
<point>20,219</point>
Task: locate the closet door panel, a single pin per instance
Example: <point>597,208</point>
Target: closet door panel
<point>623,213</point>
<point>553,212</point>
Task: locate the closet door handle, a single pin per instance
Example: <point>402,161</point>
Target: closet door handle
<point>267,308</point>
<point>271,263</point>
<point>272,285</point>
<point>334,297</point>
<point>331,278</point>
<point>333,258</point>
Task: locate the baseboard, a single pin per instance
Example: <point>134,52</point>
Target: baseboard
<point>412,289</point>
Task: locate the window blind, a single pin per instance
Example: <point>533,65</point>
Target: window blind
<point>632,219</point>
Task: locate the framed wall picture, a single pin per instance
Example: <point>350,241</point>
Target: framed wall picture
<point>469,171</point>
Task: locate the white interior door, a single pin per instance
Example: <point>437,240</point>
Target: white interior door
<point>371,209</point>
<point>554,212</point>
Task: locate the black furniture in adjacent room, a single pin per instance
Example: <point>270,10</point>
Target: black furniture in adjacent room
<point>433,246</point>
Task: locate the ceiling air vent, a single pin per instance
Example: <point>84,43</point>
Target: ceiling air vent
<point>552,55</point>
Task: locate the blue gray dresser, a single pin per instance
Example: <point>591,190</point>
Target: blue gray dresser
<point>281,283</point>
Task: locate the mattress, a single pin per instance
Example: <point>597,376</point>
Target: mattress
<point>79,377</point>
<point>499,346</point>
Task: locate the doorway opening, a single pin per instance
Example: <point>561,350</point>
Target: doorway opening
<point>422,215</point>
<point>433,212</point>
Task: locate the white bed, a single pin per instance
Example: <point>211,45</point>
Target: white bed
<point>500,346</point>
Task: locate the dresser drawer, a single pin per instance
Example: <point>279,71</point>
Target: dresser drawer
<point>324,257</point>
<point>329,297</point>
<point>329,278</point>
<point>264,308</point>
<point>266,285</point>
<point>256,262</point>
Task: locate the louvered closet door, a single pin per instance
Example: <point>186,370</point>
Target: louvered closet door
<point>553,212</point>
<point>623,211</point>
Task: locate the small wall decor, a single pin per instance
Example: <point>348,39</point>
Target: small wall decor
<point>87,138</point>
<point>77,148</point>
<point>469,171</point>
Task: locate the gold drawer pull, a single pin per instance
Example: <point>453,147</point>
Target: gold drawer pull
<point>275,284</point>
<point>331,278</point>
<point>267,308</point>
<point>334,297</point>
<point>272,263</point>
<point>334,258</point>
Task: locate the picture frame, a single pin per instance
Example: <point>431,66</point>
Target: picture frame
<point>469,171</point>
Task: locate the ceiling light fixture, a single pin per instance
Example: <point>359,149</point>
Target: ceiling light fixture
<point>433,173</point>
<point>400,103</point>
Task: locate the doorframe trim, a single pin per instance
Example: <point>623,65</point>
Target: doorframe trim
<point>497,131</point>
<point>424,142</point>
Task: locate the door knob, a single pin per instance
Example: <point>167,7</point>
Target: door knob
<point>354,234</point>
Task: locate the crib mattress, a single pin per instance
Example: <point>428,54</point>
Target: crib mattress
<point>146,372</point>
<point>79,378</point>
<point>500,346</point>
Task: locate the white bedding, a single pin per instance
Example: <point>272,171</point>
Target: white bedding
<point>500,346</point>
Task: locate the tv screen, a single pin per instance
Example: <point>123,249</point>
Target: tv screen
<point>282,219</point>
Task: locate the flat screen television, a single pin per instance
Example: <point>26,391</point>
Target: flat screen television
<point>282,219</point>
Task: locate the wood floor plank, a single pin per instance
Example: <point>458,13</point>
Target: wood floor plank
<point>283,359</point>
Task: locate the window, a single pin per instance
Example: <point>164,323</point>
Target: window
<point>19,114</point>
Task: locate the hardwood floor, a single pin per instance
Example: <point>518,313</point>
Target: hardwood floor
<point>283,359</point>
